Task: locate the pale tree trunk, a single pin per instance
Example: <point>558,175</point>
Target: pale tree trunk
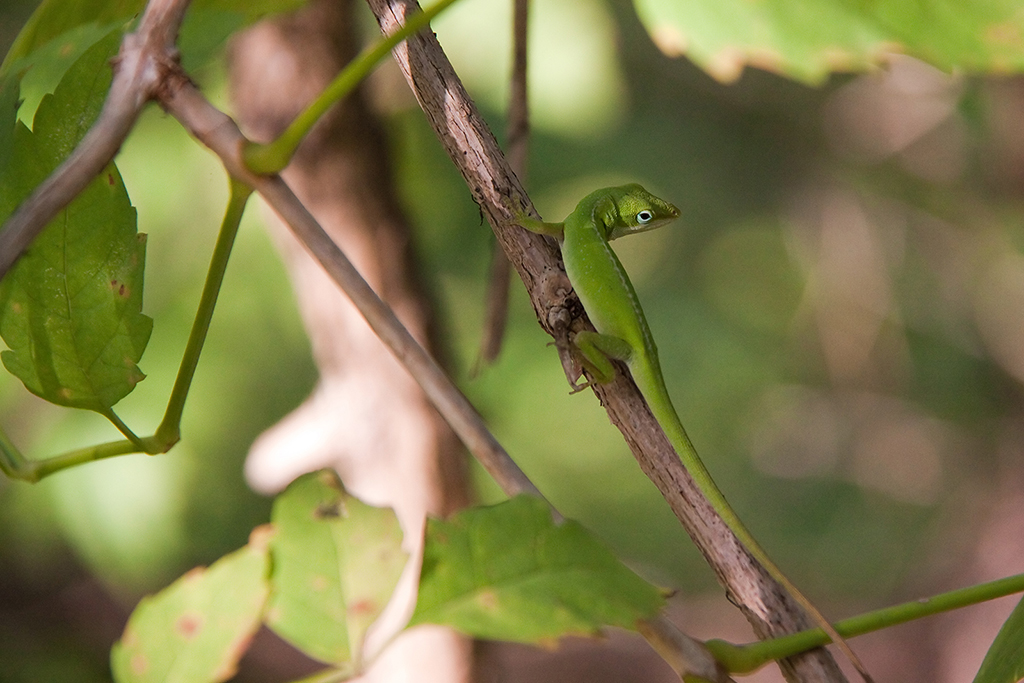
<point>366,418</point>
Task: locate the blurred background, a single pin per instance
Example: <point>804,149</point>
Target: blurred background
<point>839,315</point>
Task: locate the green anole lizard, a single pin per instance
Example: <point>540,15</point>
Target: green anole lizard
<point>622,334</point>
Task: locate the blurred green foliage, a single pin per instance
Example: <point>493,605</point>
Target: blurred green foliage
<point>835,314</point>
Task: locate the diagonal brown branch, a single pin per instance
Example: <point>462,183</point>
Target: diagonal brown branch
<point>218,132</point>
<point>476,154</point>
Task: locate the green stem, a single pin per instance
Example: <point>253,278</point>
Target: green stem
<point>16,466</point>
<point>44,468</point>
<point>123,428</point>
<point>742,659</point>
<point>272,157</point>
<point>169,431</point>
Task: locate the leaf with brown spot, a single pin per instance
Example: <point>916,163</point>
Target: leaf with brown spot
<point>71,308</point>
<point>336,564</point>
<point>196,629</point>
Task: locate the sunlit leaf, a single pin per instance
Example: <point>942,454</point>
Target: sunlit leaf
<point>807,40</point>
<point>70,309</point>
<point>1004,662</point>
<point>508,572</point>
<point>336,564</point>
<point>196,629</point>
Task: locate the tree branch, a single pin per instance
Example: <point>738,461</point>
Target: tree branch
<point>475,152</point>
<point>218,132</point>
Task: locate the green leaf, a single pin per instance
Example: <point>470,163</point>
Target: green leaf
<point>209,23</point>
<point>508,572</point>
<point>55,17</point>
<point>197,629</point>
<point>336,564</point>
<point>64,117</point>
<point>70,310</point>
<point>1004,662</point>
<point>808,39</point>
<point>45,66</point>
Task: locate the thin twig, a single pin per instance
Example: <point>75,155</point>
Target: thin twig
<point>218,132</point>
<point>499,280</point>
<point>519,103</point>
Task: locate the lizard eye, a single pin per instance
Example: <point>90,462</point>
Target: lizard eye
<point>644,216</point>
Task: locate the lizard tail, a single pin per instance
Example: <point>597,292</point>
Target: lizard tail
<point>646,374</point>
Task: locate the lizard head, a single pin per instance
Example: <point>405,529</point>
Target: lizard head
<point>639,211</point>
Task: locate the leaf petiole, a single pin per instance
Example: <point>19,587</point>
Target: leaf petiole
<point>123,428</point>
<point>16,466</point>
